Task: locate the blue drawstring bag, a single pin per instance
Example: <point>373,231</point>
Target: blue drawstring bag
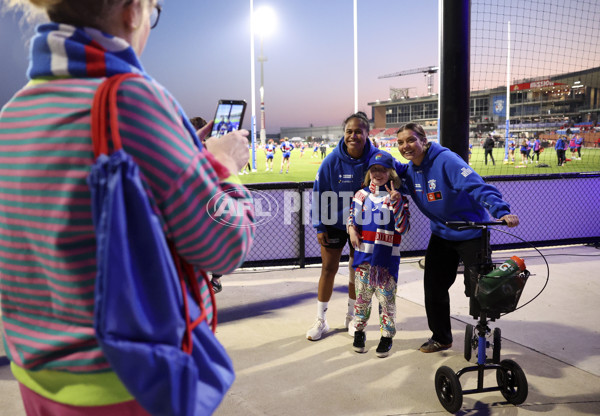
<point>151,329</point>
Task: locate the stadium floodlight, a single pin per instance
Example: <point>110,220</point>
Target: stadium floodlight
<point>265,21</point>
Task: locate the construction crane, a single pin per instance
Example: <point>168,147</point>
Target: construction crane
<point>428,71</point>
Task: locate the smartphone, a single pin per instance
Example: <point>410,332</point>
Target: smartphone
<point>228,117</point>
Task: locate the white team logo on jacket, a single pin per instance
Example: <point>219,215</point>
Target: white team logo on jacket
<point>431,184</point>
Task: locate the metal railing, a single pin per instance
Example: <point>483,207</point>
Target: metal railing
<point>554,209</point>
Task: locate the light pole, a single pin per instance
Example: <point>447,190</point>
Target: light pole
<point>262,58</point>
<point>253,87</point>
<point>265,23</point>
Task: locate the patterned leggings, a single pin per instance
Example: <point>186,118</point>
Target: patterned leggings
<point>385,294</point>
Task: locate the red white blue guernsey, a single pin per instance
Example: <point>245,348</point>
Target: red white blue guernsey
<point>270,150</point>
<point>286,147</point>
<point>381,224</point>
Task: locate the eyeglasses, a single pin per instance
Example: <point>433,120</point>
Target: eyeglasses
<point>155,15</point>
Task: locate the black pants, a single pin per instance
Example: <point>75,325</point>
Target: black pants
<point>441,265</point>
<point>489,152</point>
<point>562,158</point>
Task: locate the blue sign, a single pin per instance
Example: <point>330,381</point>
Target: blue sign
<point>499,105</point>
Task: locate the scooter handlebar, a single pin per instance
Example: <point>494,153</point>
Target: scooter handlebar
<point>464,225</point>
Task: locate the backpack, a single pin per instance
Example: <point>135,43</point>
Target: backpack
<point>149,318</point>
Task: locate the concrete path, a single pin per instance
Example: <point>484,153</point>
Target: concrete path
<point>264,315</point>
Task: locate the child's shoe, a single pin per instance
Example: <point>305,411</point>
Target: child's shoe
<point>384,347</point>
<point>359,341</point>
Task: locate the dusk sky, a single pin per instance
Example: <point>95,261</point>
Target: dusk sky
<point>200,51</point>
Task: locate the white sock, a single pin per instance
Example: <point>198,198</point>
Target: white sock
<point>321,309</point>
<point>351,303</point>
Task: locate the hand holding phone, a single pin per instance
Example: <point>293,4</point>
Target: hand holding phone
<point>231,150</point>
<point>228,117</point>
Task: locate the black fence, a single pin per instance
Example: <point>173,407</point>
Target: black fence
<point>555,209</point>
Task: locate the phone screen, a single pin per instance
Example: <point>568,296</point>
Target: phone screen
<point>228,117</point>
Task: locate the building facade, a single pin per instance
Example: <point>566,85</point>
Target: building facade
<point>537,106</point>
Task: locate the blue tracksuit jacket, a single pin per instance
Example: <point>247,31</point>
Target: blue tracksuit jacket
<point>338,179</point>
<point>445,188</point>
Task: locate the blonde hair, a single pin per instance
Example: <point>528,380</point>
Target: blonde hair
<point>392,174</point>
<point>33,11</point>
<point>91,13</point>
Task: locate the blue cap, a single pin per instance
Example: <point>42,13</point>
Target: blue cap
<point>382,158</point>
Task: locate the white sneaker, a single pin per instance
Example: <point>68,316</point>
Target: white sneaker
<point>317,330</point>
<point>349,324</point>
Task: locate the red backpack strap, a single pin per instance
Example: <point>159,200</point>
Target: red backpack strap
<point>187,278</point>
<point>104,107</point>
<point>195,288</point>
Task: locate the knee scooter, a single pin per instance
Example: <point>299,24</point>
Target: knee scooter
<point>493,292</point>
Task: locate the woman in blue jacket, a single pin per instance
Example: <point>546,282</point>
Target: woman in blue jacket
<point>445,188</point>
<point>560,148</point>
<point>339,177</point>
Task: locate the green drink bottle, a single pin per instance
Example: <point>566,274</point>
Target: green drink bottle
<point>500,289</point>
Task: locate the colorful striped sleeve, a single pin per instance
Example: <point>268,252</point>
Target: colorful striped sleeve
<point>211,223</point>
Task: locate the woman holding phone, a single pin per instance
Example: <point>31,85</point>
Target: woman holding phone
<point>47,239</point>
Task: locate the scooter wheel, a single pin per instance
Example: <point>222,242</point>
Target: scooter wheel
<point>448,389</point>
<point>468,342</point>
<point>497,346</point>
<point>512,382</point>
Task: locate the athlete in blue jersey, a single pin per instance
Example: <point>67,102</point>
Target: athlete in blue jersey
<point>561,148</point>
<point>524,150</point>
<point>270,154</point>
<point>445,188</point>
<point>315,150</point>
<point>224,126</point>
<point>286,148</point>
<point>511,152</point>
<point>578,145</point>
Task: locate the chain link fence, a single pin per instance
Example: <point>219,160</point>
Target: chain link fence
<point>554,210</point>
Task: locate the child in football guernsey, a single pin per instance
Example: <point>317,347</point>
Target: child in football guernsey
<point>378,219</point>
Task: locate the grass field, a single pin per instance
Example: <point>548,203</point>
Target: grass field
<point>305,168</point>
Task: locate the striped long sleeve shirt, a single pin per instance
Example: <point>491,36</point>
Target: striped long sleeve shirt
<point>47,239</point>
